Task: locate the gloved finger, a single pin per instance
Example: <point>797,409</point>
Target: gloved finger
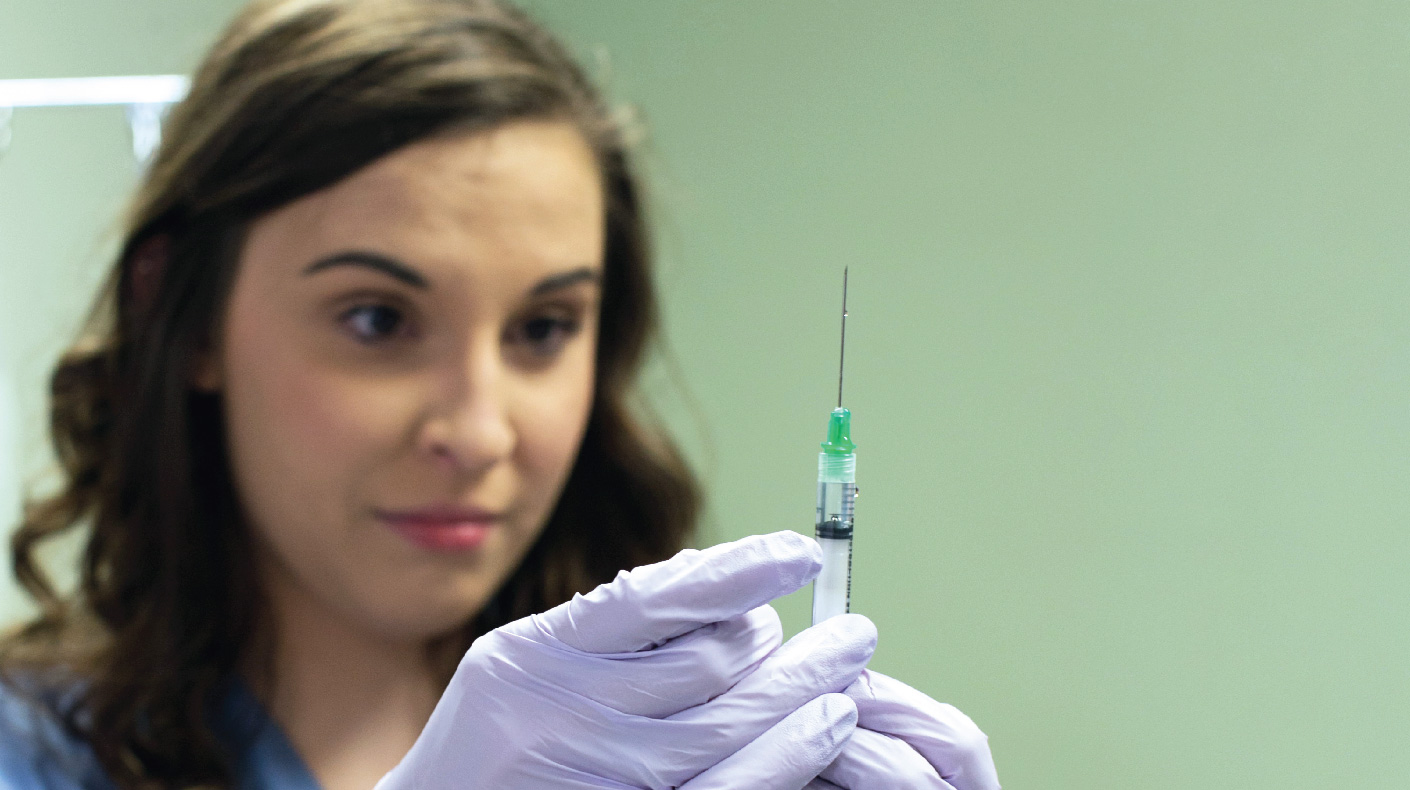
<point>686,671</point>
<point>646,606</point>
<point>821,660</point>
<point>873,760</point>
<point>789,754</point>
<point>668,752</point>
<point>945,737</point>
<point>820,784</point>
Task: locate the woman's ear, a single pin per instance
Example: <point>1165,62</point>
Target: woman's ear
<point>146,266</point>
<point>207,374</point>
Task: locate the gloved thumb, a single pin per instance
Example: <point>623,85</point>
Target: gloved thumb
<point>649,605</point>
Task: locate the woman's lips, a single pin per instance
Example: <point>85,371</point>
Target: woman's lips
<point>442,529</point>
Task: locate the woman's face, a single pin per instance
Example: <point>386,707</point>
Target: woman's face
<point>406,364</point>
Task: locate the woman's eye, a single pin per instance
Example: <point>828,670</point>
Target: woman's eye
<point>546,334</point>
<point>371,323</point>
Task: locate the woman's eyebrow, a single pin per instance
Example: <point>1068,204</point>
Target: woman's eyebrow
<point>374,261</point>
<point>560,281</point>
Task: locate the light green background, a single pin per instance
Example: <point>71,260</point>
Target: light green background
<point>1129,353</point>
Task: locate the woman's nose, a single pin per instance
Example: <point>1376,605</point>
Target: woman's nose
<point>468,429</point>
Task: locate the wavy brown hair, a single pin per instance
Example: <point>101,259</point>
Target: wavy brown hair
<point>294,96</point>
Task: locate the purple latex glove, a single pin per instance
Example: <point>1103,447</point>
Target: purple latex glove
<point>670,676</point>
<point>906,739</point>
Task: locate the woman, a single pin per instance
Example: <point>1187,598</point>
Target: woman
<point>357,397</point>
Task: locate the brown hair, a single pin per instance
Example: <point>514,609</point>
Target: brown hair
<point>296,95</point>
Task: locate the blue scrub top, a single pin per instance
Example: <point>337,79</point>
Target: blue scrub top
<point>37,754</point>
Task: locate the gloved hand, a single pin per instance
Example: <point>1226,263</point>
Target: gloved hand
<point>670,676</point>
<point>906,739</point>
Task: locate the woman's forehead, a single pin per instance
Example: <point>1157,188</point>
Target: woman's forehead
<point>524,195</point>
<point>530,161</point>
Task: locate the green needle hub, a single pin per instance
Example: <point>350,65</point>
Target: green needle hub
<point>839,434</point>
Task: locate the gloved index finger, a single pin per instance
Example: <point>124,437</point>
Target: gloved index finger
<point>947,738</point>
<point>649,605</point>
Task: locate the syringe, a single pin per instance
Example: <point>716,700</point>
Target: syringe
<point>837,494</point>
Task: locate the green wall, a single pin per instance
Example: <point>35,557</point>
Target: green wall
<point>1128,353</point>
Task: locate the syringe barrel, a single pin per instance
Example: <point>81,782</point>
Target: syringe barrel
<point>837,493</point>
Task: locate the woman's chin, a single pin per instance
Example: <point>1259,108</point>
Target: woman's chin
<point>428,621</point>
<point>419,612</point>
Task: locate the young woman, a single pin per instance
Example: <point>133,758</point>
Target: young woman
<point>357,396</point>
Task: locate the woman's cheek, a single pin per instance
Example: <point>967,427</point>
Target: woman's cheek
<point>341,416</point>
<point>313,434</point>
<point>554,432</point>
